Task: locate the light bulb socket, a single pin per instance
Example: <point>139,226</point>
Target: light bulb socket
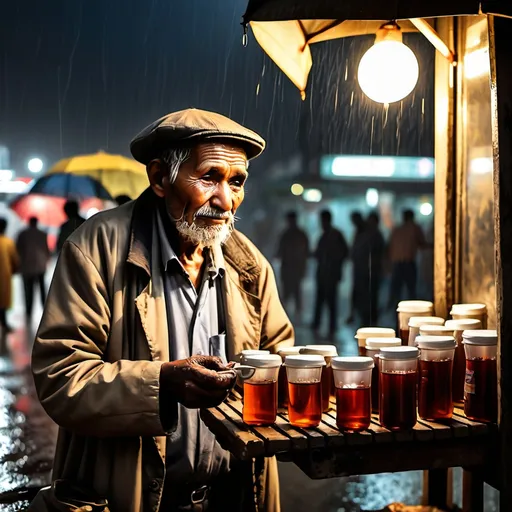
<point>390,31</point>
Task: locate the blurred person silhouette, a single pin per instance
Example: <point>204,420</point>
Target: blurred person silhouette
<point>71,209</point>
<point>122,199</point>
<point>293,252</point>
<point>331,252</point>
<point>9,265</point>
<point>368,274</point>
<point>405,242</point>
<point>358,264</point>
<point>34,254</point>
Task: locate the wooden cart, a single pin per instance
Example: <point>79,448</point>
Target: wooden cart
<point>326,452</point>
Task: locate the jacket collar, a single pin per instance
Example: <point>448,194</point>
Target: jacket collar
<point>235,252</point>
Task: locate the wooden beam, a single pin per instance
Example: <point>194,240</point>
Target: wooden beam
<point>444,185</point>
<point>500,50</point>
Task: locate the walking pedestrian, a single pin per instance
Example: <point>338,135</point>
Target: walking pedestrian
<point>405,242</point>
<point>9,265</point>
<point>358,263</point>
<point>293,252</point>
<point>331,253</point>
<point>71,209</point>
<point>32,245</point>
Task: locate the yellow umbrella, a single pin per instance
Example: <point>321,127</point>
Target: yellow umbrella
<point>118,174</point>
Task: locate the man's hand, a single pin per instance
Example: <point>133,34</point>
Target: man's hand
<point>196,382</point>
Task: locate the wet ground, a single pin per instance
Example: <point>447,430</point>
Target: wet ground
<point>28,436</point>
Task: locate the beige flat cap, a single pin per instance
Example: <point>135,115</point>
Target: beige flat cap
<point>190,126</point>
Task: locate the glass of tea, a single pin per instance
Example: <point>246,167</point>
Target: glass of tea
<point>327,352</point>
<point>397,387</point>
<point>363,333</point>
<point>416,322</point>
<point>459,359</point>
<point>481,382</point>
<point>353,379</point>
<point>435,385</point>
<point>282,384</point>
<point>373,346</point>
<point>304,373</point>
<point>243,356</point>
<point>476,311</point>
<point>406,310</point>
<point>260,391</point>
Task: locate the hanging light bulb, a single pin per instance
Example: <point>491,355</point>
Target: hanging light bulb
<point>389,70</point>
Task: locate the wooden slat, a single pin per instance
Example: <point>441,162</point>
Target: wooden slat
<point>475,427</point>
<point>243,443</point>
<point>334,437</point>
<point>423,432</point>
<point>314,438</point>
<point>275,441</point>
<point>351,438</point>
<point>299,439</point>
<point>441,430</point>
<point>381,434</point>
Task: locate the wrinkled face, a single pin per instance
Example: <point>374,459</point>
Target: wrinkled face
<point>207,192</point>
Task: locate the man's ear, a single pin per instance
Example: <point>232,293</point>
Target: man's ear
<point>156,174</point>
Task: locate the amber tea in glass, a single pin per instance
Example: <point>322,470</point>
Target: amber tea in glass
<point>260,390</point>
<point>481,382</point>
<point>352,378</point>
<point>398,378</point>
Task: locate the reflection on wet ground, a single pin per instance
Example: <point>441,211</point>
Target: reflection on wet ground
<point>27,441</point>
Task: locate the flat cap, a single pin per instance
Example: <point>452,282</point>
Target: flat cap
<point>192,126</point>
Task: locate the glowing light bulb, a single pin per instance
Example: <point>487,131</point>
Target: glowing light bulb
<point>389,70</point>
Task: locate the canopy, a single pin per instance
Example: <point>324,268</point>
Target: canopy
<point>118,174</point>
<point>280,10</point>
<point>285,29</point>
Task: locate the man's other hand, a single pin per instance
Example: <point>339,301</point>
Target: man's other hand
<point>197,382</point>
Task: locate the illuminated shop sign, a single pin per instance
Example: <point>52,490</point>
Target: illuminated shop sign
<point>398,168</point>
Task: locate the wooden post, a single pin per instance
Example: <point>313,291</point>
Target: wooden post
<point>445,130</point>
<point>500,49</point>
<point>472,491</point>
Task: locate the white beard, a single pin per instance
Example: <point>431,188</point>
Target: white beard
<point>205,236</point>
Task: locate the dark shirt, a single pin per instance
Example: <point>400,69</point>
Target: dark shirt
<point>331,252</point>
<point>67,229</point>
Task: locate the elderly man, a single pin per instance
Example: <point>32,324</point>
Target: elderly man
<point>147,304</point>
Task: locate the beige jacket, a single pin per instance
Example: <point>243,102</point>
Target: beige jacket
<point>103,338</point>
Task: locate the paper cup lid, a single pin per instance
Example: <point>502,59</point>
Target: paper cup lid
<point>420,303</point>
<point>461,309</point>
<point>320,350</point>
<point>399,353</point>
<point>304,361</point>
<point>374,332</point>
<point>418,321</point>
<point>263,360</point>
<point>414,309</point>
<point>252,352</point>
<point>289,351</point>
<point>436,330</point>
<point>464,324</point>
<point>378,343</point>
<point>480,337</point>
<point>352,363</point>
<point>435,342</point>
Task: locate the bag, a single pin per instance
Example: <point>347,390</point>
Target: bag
<point>67,496</point>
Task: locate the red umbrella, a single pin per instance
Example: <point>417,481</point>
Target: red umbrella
<point>49,209</point>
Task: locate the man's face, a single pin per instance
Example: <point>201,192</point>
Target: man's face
<point>207,192</point>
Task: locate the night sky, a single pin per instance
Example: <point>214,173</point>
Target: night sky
<point>83,75</point>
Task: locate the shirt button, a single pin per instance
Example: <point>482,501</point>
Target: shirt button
<point>154,485</point>
<point>199,352</point>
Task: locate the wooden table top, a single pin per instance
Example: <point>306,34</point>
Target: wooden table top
<point>427,442</point>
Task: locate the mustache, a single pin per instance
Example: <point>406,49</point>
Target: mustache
<point>213,213</point>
